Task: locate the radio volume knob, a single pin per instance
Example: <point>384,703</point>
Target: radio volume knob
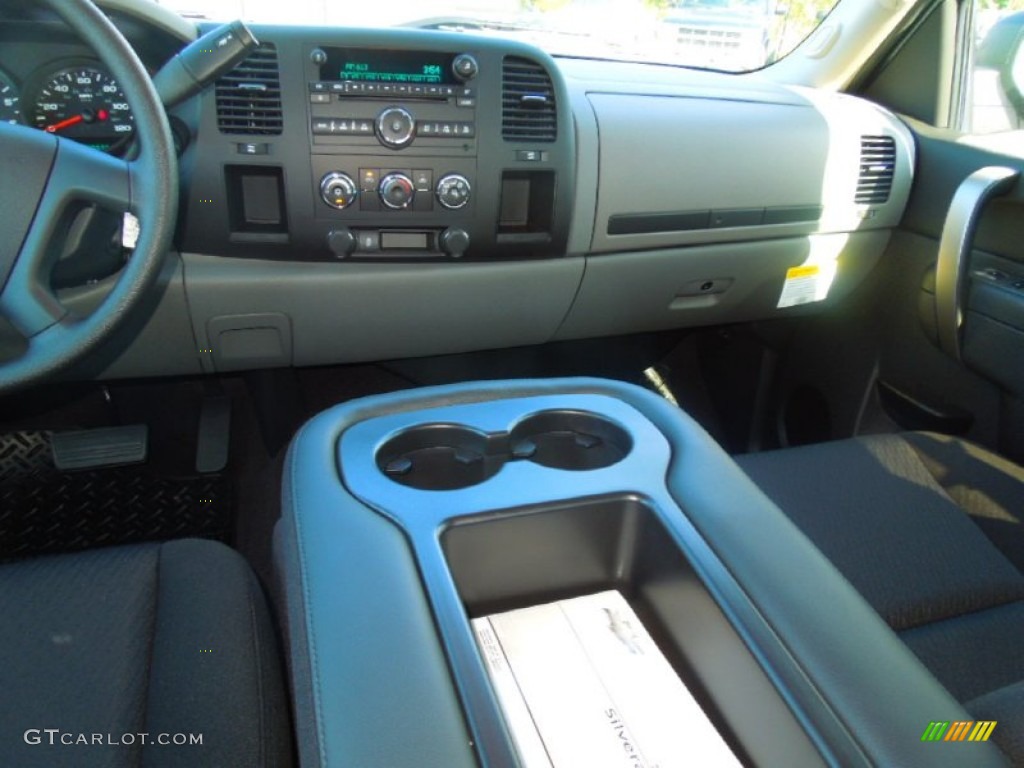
<point>338,190</point>
<point>395,127</point>
<point>396,191</point>
<point>453,191</point>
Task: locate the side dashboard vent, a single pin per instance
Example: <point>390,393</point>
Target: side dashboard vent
<point>527,102</point>
<point>249,96</point>
<point>877,168</point>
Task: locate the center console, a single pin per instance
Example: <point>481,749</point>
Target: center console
<point>408,515</point>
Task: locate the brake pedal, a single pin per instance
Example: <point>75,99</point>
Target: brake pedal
<point>103,447</point>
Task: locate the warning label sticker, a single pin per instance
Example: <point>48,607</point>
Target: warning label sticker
<point>804,284</point>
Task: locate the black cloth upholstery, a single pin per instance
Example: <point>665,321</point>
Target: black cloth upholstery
<point>1006,707</point>
<point>928,529</point>
<point>172,638</point>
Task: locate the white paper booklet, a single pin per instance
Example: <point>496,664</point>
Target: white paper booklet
<point>581,683</point>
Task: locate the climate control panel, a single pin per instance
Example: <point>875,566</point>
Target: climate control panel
<point>394,190</point>
<point>397,190</point>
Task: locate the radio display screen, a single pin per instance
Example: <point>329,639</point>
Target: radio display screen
<point>364,65</point>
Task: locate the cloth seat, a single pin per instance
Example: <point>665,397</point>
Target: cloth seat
<point>928,528</point>
<point>172,640</point>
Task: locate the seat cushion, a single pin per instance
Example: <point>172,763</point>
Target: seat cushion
<point>109,653</point>
<point>928,529</point>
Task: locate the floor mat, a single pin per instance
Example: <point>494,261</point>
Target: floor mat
<point>43,510</point>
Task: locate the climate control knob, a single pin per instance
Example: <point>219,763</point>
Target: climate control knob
<point>395,127</point>
<point>453,191</point>
<point>396,191</point>
<point>338,190</point>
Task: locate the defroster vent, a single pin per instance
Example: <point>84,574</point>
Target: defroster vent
<point>527,102</point>
<point>249,96</point>
<point>877,168</point>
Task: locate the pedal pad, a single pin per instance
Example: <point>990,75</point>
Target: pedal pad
<point>214,434</point>
<point>103,447</point>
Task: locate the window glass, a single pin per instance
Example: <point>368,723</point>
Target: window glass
<point>995,83</point>
<point>730,35</point>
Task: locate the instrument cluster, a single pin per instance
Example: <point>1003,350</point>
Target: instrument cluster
<point>75,98</point>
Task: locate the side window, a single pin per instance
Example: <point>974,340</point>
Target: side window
<point>995,78</point>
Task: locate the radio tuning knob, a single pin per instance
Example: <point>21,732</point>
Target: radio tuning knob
<point>396,191</point>
<point>464,67</point>
<point>338,190</point>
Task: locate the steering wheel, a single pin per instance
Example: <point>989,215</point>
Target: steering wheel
<point>42,176</point>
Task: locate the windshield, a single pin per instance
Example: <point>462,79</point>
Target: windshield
<point>730,35</point>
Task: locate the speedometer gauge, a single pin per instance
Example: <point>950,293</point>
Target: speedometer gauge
<point>10,101</point>
<point>86,104</point>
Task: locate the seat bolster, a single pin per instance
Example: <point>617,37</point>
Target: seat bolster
<point>215,668</point>
<point>987,486</point>
<point>1006,707</point>
<point>75,642</point>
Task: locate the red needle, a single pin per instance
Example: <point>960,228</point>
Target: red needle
<point>64,124</point>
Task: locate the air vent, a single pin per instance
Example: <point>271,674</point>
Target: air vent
<point>249,96</point>
<point>877,166</point>
<point>527,102</point>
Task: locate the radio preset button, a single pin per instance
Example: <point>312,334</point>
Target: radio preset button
<point>453,191</point>
<point>396,191</point>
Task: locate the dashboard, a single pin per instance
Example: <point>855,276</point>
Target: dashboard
<point>368,194</point>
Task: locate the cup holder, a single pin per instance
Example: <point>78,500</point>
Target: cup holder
<point>446,457</point>
<point>438,457</point>
<point>575,440</point>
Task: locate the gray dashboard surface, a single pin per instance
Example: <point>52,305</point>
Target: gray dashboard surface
<point>646,140</point>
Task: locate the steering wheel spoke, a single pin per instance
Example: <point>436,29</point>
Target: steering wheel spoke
<point>82,174</point>
<point>78,175</point>
<point>29,304</point>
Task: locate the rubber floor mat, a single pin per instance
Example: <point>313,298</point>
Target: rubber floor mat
<point>44,511</point>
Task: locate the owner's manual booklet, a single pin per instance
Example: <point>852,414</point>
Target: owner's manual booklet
<point>581,683</point>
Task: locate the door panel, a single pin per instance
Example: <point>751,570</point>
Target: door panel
<point>988,380</point>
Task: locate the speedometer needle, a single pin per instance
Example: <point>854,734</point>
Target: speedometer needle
<point>64,124</point>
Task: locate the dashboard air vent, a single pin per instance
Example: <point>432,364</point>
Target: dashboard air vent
<point>249,96</point>
<point>527,102</point>
<point>877,167</point>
